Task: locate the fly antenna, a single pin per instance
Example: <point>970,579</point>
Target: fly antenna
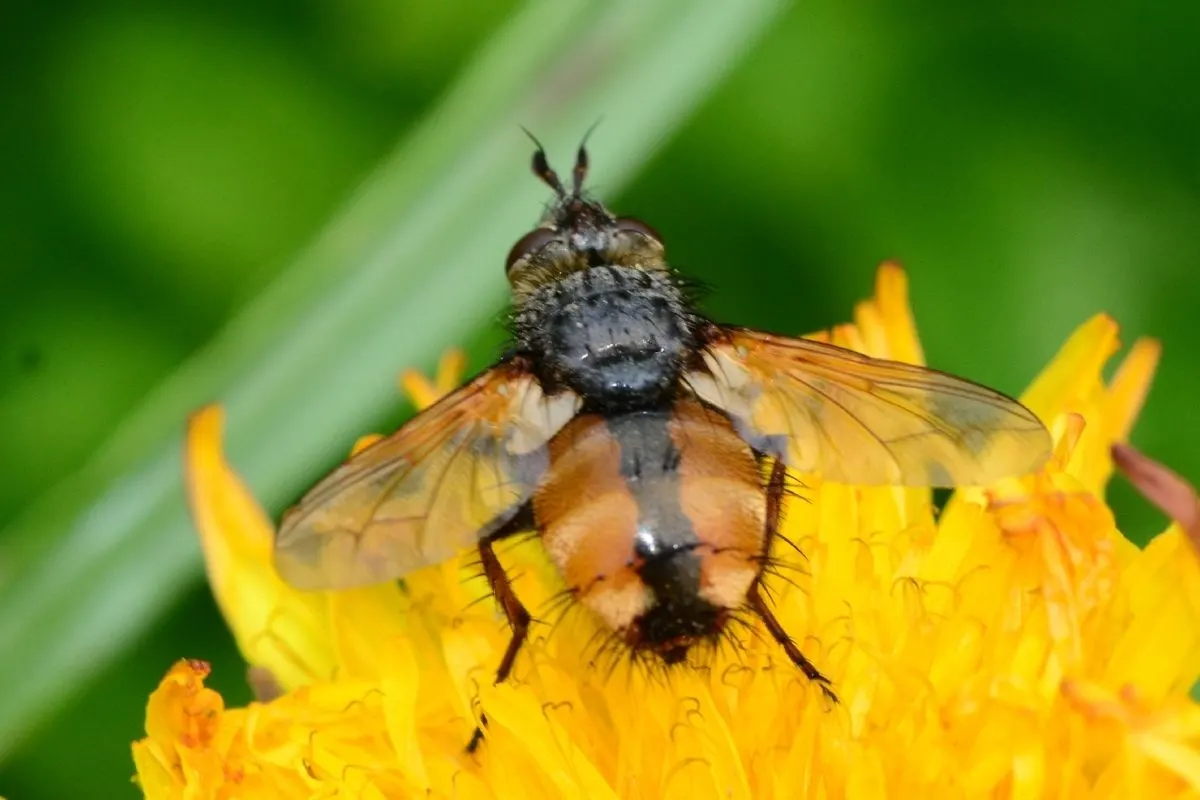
<point>581,162</point>
<point>541,167</point>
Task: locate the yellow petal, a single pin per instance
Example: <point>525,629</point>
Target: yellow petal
<point>183,725</point>
<point>848,336</point>
<point>359,619</point>
<point>1075,370</point>
<point>1159,646</point>
<point>1177,757</point>
<point>543,747</point>
<point>363,442</point>
<point>298,637</point>
<point>276,627</point>
<point>401,685</point>
<point>1155,744</point>
<point>1113,411</point>
<point>424,392</point>
<point>1129,387</point>
<point>886,320</point>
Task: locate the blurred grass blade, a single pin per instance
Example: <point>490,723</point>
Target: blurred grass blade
<point>411,266</point>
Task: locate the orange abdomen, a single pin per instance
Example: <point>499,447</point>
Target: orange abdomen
<point>622,492</point>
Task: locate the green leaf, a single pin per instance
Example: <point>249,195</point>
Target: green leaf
<point>411,266</point>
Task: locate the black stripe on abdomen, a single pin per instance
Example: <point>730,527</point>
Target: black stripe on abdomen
<point>665,541</point>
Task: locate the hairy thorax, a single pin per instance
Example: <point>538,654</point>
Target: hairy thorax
<point>615,335</point>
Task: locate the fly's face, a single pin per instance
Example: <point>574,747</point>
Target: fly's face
<point>576,234</point>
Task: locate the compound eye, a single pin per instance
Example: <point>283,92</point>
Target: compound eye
<point>637,226</point>
<point>527,245</point>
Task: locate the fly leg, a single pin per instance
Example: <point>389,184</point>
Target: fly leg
<point>514,611</point>
<point>755,599</point>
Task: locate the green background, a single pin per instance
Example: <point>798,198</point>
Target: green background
<point>165,169</point>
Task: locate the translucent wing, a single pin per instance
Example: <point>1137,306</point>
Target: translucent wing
<point>453,473</point>
<point>860,420</point>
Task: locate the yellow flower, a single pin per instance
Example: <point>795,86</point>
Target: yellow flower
<point>1013,645</point>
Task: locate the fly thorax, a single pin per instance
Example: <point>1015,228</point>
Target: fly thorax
<point>617,336</point>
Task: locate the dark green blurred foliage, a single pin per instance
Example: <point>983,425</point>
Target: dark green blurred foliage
<point>159,164</point>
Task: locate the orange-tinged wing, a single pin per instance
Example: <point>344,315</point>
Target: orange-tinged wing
<point>861,420</point>
<point>450,475</point>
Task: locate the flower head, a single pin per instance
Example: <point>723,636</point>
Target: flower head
<point>1013,644</point>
